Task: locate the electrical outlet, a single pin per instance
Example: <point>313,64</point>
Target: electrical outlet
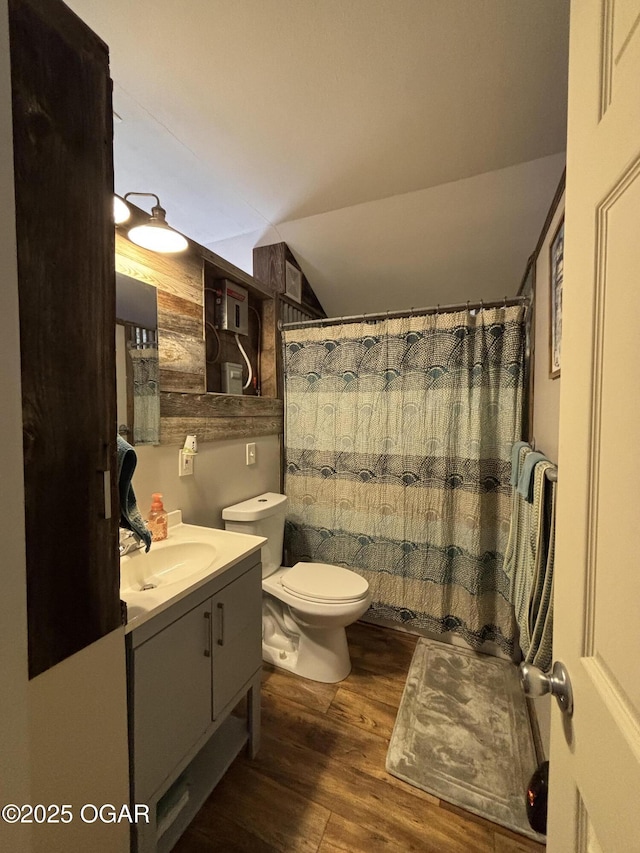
<point>185,463</point>
<point>251,453</point>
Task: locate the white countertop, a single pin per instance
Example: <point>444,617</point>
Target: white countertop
<point>208,552</point>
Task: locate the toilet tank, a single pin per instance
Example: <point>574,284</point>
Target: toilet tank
<point>261,516</point>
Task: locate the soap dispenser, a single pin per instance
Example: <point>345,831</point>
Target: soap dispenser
<point>157,519</point>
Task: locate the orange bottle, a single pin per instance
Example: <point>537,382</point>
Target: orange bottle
<point>157,519</point>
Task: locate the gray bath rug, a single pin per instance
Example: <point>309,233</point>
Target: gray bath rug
<point>462,734</point>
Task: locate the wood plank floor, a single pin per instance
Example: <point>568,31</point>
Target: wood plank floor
<point>319,783</point>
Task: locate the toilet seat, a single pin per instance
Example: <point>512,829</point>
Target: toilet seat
<point>324,583</point>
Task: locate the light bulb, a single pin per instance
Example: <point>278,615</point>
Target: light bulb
<point>158,238</point>
<point>121,210</point>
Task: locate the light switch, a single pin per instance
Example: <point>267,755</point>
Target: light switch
<point>251,453</point>
<point>185,463</point>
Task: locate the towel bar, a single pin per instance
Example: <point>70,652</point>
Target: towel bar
<point>550,473</point>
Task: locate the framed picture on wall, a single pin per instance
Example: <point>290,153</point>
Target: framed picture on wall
<point>556,270</point>
<point>293,282</point>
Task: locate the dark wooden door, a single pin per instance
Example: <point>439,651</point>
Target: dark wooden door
<point>62,123</point>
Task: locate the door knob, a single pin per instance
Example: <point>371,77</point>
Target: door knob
<point>537,683</point>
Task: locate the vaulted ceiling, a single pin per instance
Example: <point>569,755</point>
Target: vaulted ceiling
<point>406,150</point>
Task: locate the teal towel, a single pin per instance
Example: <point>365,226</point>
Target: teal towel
<point>130,517</point>
<point>515,460</point>
<point>525,480</point>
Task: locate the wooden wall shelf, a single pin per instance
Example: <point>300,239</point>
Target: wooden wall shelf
<point>217,416</point>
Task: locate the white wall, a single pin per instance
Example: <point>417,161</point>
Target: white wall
<point>546,404</point>
<point>220,477</point>
<point>468,239</point>
<point>14,743</point>
<point>546,391</point>
<point>79,747</point>
<point>239,249</point>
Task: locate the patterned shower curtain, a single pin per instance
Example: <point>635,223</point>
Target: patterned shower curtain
<point>398,439</point>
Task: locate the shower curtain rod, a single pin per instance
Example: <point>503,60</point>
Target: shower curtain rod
<point>408,312</point>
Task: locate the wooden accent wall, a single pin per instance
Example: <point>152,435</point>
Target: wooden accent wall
<point>178,280</point>
<point>271,351</point>
<point>185,405</point>
<point>269,267</point>
<point>62,128</point>
<point>216,416</point>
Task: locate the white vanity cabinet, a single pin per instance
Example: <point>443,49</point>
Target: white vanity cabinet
<point>189,667</point>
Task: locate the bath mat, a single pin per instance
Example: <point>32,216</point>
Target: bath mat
<point>463,734</point>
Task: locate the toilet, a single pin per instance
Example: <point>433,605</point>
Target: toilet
<point>305,608</point>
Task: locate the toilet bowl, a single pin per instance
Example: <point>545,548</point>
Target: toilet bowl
<point>306,607</point>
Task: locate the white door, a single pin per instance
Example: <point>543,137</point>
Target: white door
<point>595,757</point>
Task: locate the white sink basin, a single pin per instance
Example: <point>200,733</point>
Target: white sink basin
<point>190,556</point>
<point>174,562</point>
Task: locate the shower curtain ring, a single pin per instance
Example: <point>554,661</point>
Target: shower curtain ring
<point>505,302</point>
<point>467,305</point>
<point>438,309</point>
<point>482,304</point>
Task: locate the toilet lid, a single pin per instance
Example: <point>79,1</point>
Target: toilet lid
<point>326,582</point>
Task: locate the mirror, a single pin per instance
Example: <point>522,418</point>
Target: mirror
<point>137,366</point>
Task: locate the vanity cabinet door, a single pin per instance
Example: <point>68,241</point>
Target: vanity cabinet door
<point>237,646</point>
<point>172,697</point>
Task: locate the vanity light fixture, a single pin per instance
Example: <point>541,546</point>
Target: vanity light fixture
<point>121,210</point>
<point>156,235</point>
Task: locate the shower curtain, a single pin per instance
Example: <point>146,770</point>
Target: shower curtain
<point>397,445</point>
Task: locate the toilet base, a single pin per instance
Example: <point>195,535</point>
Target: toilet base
<point>319,655</point>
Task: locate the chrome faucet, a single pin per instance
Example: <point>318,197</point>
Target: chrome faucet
<point>129,541</point>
